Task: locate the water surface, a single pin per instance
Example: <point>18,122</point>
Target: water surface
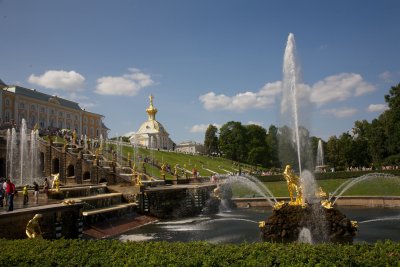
<point>241,225</point>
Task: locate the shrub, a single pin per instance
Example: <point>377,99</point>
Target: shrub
<point>39,252</point>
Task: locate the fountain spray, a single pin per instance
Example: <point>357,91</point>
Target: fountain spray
<point>290,80</point>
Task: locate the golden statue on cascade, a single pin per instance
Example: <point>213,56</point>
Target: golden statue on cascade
<point>293,183</point>
<point>33,227</point>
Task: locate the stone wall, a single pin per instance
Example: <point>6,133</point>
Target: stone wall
<point>13,224</point>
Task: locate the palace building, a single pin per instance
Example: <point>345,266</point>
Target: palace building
<point>151,133</point>
<point>46,112</point>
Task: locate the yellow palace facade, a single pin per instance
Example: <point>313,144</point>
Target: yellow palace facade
<point>46,111</point>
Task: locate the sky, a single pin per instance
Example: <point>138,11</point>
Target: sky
<point>205,62</point>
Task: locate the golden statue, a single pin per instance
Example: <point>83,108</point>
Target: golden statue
<point>321,193</point>
<point>326,204</point>
<point>56,182</point>
<point>293,182</point>
<point>33,227</point>
<point>151,97</point>
<point>134,168</point>
<point>176,170</point>
<point>36,127</point>
<point>163,169</point>
<point>217,192</point>
<point>278,205</point>
<point>74,137</point>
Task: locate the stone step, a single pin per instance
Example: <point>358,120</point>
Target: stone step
<point>108,209</point>
<point>99,196</point>
<point>71,180</point>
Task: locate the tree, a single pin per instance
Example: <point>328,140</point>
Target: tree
<point>256,144</point>
<point>345,143</point>
<point>376,142</point>
<point>232,141</point>
<point>273,147</point>
<point>332,151</point>
<point>391,120</point>
<point>211,140</point>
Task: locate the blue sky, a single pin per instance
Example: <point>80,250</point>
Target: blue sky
<point>205,62</point>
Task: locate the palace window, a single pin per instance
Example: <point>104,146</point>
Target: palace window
<point>33,121</point>
<point>7,102</point>
<point>7,116</point>
<point>33,107</point>
<point>21,105</point>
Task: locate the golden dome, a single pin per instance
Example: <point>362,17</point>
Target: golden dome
<point>151,110</point>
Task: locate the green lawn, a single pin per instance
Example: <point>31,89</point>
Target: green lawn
<point>205,165</point>
<point>373,187</point>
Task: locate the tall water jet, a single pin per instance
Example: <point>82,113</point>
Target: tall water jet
<point>8,152</point>
<point>34,156</point>
<point>13,155</point>
<point>101,141</point>
<point>306,210</point>
<point>290,80</point>
<point>85,143</point>
<point>320,154</point>
<point>23,152</point>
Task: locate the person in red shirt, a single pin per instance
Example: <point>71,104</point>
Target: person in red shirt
<point>10,190</point>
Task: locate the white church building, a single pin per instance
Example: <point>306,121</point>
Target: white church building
<point>151,133</point>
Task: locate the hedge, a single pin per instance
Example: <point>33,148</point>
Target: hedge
<point>329,175</point>
<point>115,253</point>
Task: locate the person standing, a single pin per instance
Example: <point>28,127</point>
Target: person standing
<point>36,192</point>
<point>10,190</point>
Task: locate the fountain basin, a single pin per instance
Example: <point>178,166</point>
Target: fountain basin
<point>286,223</point>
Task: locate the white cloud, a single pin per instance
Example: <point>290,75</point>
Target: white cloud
<point>377,108</point>
<point>339,88</point>
<point>201,128</point>
<point>128,84</point>
<point>59,79</point>
<point>242,101</point>
<point>333,88</point>
<point>340,113</point>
